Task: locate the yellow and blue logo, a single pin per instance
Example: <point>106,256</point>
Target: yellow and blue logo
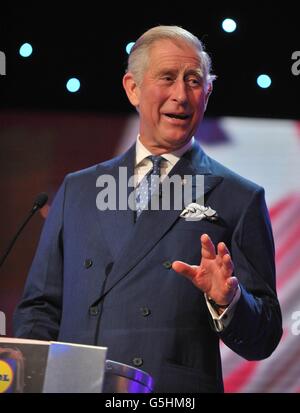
<point>6,376</point>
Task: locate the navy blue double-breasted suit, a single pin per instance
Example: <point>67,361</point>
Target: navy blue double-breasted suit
<point>100,278</point>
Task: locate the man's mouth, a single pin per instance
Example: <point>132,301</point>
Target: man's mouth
<point>182,116</point>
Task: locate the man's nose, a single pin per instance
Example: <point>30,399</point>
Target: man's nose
<point>179,92</point>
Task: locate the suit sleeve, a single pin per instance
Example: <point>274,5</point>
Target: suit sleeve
<point>39,312</point>
<point>256,327</point>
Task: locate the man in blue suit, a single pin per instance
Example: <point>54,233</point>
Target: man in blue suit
<point>142,283</point>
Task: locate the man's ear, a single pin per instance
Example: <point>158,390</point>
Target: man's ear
<point>208,92</point>
<point>131,89</point>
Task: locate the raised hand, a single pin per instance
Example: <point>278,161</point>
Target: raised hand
<point>214,273</point>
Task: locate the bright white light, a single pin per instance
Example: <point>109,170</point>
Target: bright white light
<point>129,46</point>
<point>73,85</point>
<point>264,81</point>
<point>229,25</point>
<point>25,50</point>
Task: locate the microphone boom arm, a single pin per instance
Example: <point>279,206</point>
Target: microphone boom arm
<point>40,201</point>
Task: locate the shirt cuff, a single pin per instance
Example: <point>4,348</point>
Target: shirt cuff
<point>222,321</point>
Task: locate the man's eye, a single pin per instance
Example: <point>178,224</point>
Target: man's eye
<point>167,78</point>
<point>194,81</point>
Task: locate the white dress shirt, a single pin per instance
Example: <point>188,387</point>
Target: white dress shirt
<point>143,165</point>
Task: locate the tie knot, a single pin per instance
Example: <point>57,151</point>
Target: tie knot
<point>156,161</point>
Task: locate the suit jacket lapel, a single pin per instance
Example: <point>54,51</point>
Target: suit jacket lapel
<point>117,224</point>
<point>152,225</point>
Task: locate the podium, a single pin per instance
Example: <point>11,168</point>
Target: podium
<point>35,366</point>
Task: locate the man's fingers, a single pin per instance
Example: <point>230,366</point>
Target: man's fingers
<point>232,283</point>
<point>222,249</point>
<point>227,264</point>
<point>208,249</point>
<point>188,270</point>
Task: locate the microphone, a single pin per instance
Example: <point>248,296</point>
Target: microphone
<point>39,202</point>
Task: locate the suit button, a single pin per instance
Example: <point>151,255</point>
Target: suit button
<point>137,361</point>
<point>88,263</point>
<point>94,310</point>
<point>145,311</point>
<point>167,265</point>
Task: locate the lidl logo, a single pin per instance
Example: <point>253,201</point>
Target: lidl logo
<point>6,376</point>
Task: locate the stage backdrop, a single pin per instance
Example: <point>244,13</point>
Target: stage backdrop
<point>38,149</point>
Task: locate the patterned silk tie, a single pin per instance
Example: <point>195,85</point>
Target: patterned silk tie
<point>148,185</point>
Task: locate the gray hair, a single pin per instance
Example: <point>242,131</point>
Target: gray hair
<point>138,59</point>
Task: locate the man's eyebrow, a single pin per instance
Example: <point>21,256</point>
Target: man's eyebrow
<point>198,72</point>
<point>166,71</point>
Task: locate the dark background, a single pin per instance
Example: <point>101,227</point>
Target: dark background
<point>87,40</point>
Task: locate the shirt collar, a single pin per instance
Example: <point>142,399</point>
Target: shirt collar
<point>173,157</point>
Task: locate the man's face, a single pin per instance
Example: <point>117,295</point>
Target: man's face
<point>171,98</point>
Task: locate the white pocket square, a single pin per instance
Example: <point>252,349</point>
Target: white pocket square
<point>196,212</point>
